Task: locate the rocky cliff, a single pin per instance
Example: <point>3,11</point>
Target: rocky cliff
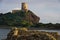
<point>28,16</point>
<point>31,17</point>
<point>19,18</point>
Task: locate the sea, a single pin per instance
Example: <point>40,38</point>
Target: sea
<point>4,32</point>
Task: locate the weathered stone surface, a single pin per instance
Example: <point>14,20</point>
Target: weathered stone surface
<point>31,17</point>
<point>28,16</point>
<point>24,34</point>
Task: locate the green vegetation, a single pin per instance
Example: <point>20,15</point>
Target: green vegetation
<point>14,19</point>
<point>47,26</point>
<point>24,19</point>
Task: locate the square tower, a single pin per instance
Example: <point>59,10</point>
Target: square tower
<point>24,7</point>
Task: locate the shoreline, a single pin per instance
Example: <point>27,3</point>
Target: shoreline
<point>45,29</point>
<point>31,28</point>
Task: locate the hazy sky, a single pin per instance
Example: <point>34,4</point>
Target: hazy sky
<point>47,10</point>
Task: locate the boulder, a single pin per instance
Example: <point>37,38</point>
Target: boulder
<point>25,34</point>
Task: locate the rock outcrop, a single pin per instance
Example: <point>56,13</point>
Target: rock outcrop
<point>25,34</point>
<point>28,16</point>
<point>31,17</point>
<point>19,18</point>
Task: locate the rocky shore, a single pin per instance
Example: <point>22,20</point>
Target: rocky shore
<point>25,34</point>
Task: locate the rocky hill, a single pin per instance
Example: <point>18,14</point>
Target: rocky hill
<point>19,18</point>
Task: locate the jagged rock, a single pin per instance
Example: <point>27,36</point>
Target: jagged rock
<point>32,17</point>
<point>29,16</point>
<point>29,35</point>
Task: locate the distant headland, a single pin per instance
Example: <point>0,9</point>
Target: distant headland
<point>24,18</point>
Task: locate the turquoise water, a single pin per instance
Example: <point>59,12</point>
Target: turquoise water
<point>4,32</point>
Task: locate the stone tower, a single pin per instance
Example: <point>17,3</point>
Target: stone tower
<point>24,7</point>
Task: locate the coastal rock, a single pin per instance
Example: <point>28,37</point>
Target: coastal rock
<point>29,15</point>
<point>32,17</point>
<point>24,34</point>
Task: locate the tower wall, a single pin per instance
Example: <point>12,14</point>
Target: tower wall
<point>24,7</point>
<point>14,11</point>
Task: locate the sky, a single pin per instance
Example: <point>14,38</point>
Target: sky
<point>47,10</point>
